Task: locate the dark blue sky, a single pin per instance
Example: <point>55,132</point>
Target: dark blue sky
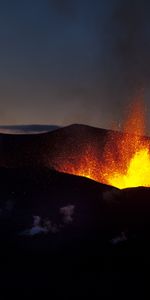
<point>72,61</point>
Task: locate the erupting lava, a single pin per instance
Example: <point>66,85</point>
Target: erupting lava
<point>126,156</point>
<point>137,174</point>
<point>132,167</point>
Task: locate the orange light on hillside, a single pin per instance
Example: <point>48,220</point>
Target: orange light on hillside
<point>137,174</point>
<point>132,166</point>
<point>126,159</point>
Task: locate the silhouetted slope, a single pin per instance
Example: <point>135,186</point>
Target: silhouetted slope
<point>64,145</point>
<point>48,149</point>
<point>58,228</point>
<point>100,212</point>
<point>85,238</point>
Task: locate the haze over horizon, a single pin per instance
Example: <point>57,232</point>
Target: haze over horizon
<point>67,61</point>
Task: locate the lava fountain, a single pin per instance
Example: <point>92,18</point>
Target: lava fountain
<point>132,168</point>
<point>126,156</point>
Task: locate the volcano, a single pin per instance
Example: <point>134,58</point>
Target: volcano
<point>58,225</point>
<point>117,158</point>
<point>109,157</point>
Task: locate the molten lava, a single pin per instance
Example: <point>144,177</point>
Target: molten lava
<point>132,167</point>
<point>137,174</point>
<point>126,156</point>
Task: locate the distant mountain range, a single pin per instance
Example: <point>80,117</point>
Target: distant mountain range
<point>27,129</point>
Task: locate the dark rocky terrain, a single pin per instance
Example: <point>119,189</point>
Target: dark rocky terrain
<point>59,229</point>
<point>65,233</point>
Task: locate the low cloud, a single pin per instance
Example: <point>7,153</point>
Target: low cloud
<point>44,225</point>
<point>40,226</point>
<point>67,213</point>
<point>119,239</point>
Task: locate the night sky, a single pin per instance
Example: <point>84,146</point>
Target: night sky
<point>73,61</point>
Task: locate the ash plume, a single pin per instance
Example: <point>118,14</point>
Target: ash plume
<point>129,43</point>
<point>120,68</point>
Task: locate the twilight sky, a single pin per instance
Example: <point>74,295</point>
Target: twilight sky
<point>72,61</point>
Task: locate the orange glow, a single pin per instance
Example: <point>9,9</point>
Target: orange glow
<point>131,168</point>
<point>138,172</point>
<point>126,157</point>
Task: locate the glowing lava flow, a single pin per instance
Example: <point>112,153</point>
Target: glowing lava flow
<point>138,172</point>
<point>132,167</point>
<point>126,156</point>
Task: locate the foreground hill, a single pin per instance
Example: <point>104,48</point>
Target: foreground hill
<point>56,228</point>
<point>92,207</point>
<point>62,230</point>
